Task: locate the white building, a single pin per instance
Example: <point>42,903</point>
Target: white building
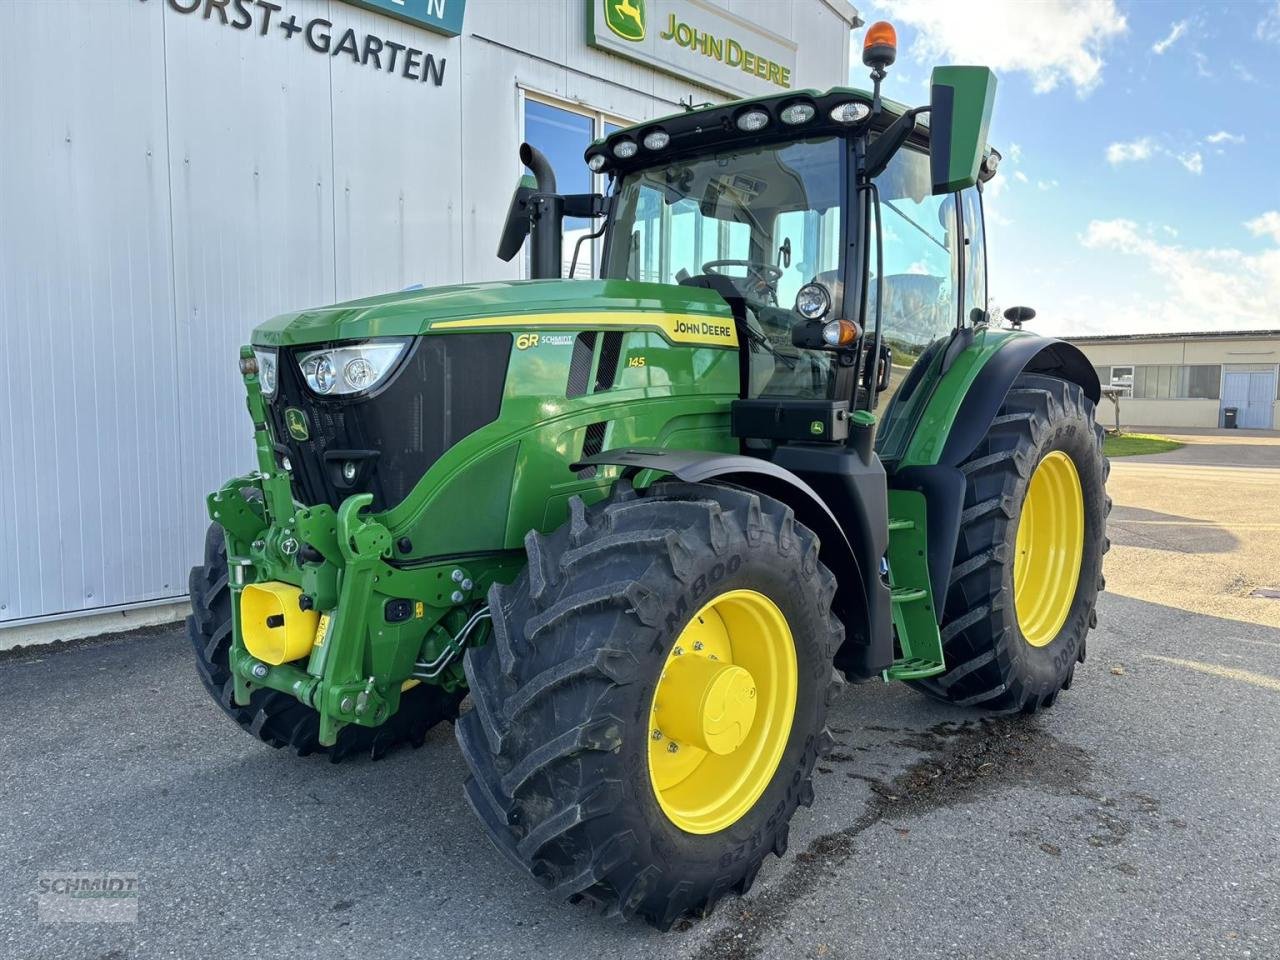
<point>173,172</point>
<point>1189,379</point>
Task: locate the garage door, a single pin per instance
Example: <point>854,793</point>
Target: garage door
<point>1252,394</point>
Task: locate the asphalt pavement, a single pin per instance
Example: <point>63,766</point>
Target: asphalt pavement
<point>1137,818</point>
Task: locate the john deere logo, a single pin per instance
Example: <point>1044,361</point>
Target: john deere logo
<point>625,18</point>
<point>817,428</point>
<point>296,421</point>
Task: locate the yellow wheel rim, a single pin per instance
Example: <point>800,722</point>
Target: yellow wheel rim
<point>1050,546</point>
<point>722,711</point>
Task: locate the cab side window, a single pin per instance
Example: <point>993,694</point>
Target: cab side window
<point>975,257</point>
<point>921,288</point>
<point>921,258</point>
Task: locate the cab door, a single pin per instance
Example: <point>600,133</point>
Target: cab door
<point>934,279</point>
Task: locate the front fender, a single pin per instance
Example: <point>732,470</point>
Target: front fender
<point>975,380</point>
<point>973,386</point>
<point>867,642</point>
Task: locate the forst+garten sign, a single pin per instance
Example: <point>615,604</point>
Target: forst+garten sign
<point>268,18</point>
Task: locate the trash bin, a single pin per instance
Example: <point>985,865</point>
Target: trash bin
<point>1229,417</point>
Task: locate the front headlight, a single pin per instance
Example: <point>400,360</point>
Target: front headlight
<point>353,369</point>
<point>266,370</point>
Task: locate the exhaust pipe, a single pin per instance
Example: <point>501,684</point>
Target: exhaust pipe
<point>536,160</point>
<point>546,217</point>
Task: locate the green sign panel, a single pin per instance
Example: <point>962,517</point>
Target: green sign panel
<point>625,18</point>
<point>442,16</point>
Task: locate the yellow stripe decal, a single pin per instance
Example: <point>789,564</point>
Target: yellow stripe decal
<point>700,329</point>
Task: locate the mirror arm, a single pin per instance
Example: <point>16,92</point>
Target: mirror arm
<point>586,205</point>
<point>890,142</point>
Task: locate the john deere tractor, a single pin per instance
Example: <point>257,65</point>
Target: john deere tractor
<point>642,520</point>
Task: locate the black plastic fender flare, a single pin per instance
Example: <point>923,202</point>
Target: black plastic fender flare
<point>771,480</point>
<point>986,394</point>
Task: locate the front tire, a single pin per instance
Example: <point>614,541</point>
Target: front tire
<point>1028,564</point>
<point>569,763</point>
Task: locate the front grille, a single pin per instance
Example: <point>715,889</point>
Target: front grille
<point>448,386</point>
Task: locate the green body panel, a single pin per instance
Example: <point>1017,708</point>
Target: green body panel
<point>947,392</point>
<point>469,513</point>
<point>416,311</point>
<point>972,93</point>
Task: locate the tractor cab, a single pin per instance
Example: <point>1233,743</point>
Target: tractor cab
<point>843,230</point>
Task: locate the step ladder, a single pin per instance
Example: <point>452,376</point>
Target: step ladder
<point>914,617</point>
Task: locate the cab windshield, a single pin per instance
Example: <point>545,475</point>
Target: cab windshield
<point>758,222</point>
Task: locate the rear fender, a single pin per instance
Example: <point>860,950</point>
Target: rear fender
<point>768,479</point>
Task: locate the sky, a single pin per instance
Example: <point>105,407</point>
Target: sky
<point>1140,186</point>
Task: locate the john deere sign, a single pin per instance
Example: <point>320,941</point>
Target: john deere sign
<point>695,41</point>
<point>626,19</point>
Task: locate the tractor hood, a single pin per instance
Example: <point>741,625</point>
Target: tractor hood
<point>413,312</point>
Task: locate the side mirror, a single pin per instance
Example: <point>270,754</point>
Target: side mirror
<point>516,227</point>
<point>960,101</point>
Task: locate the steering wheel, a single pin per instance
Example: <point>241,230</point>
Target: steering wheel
<point>764,275</point>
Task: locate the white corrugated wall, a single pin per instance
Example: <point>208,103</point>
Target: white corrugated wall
<point>167,182</point>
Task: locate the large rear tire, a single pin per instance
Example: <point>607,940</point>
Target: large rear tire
<point>585,768</point>
<point>1028,564</point>
<point>276,718</point>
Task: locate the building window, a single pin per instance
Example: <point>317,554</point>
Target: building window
<point>1200,381</point>
<point>1121,378</point>
<point>563,133</point>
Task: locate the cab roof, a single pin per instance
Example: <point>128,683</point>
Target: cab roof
<point>697,129</point>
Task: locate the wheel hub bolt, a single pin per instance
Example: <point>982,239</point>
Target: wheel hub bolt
<point>678,651</point>
<point>657,734</point>
<point>672,747</point>
<point>697,645</point>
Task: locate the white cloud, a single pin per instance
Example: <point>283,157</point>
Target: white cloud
<point>1269,26</point>
<point>1243,72</point>
<point>1176,30</point>
<point>1015,152</point>
<point>1144,148</point>
<point>1267,224</point>
<point>1047,184</point>
<point>1141,149</point>
<point>1054,41</point>
<point>1020,176</point>
<point>1203,288</point>
<point>1223,137</point>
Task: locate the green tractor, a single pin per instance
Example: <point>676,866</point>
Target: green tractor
<point>642,520</point>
